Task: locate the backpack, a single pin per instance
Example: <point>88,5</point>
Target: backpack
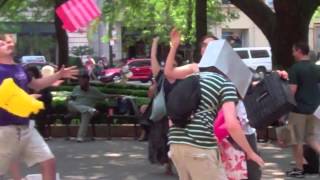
<point>183,100</point>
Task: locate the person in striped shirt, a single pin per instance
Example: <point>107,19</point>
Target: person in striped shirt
<point>193,149</point>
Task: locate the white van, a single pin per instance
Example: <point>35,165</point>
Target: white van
<point>256,58</point>
<point>33,59</point>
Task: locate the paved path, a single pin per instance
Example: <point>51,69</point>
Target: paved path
<point>126,159</point>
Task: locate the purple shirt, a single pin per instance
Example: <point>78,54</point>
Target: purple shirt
<point>21,79</point>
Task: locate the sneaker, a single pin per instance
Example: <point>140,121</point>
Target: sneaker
<point>297,173</point>
<point>80,140</point>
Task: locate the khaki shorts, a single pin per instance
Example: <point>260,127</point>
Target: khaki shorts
<point>22,143</point>
<point>304,126</point>
<point>194,163</point>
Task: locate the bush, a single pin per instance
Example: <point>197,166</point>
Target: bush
<point>129,90</point>
<point>75,61</point>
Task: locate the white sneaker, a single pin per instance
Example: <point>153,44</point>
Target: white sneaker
<point>79,139</point>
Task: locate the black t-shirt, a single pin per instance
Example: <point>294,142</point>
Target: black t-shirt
<point>306,75</point>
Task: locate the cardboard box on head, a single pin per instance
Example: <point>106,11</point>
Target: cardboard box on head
<point>221,55</point>
<point>16,101</point>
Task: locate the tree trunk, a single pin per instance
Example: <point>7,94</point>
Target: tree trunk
<point>2,3</point>
<point>201,24</point>
<point>62,38</point>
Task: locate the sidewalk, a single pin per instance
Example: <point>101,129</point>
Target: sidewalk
<point>126,159</point>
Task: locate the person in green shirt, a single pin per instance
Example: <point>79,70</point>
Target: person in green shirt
<point>303,79</point>
<point>83,100</point>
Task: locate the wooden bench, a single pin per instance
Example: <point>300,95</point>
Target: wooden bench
<point>132,118</point>
<point>107,115</point>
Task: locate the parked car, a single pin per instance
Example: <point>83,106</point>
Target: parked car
<point>137,69</point>
<point>140,69</point>
<point>38,61</point>
<point>110,75</point>
<point>256,58</point>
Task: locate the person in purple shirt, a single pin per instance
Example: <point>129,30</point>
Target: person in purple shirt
<point>18,140</point>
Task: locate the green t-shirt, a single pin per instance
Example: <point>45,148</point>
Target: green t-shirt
<point>306,75</point>
<point>215,90</point>
<point>89,98</point>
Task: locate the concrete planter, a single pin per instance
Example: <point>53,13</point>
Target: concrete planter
<point>123,130</point>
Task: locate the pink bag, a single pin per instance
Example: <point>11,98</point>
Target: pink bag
<point>75,14</point>
<point>219,127</point>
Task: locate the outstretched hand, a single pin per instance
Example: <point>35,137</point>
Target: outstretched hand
<point>175,37</point>
<point>283,74</point>
<point>68,72</point>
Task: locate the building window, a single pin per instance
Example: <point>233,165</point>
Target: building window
<point>233,38</point>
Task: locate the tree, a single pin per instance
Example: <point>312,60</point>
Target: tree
<point>155,17</point>
<point>286,24</point>
<point>42,10</point>
<point>62,38</point>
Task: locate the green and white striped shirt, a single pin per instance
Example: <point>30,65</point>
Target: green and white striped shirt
<point>215,90</point>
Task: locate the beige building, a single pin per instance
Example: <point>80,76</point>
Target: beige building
<point>250,35</point>
<point>314,35</point>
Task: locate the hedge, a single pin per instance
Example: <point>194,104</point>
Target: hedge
<point>59,101</point>
<point>117,89</point>
<point>108,85</point>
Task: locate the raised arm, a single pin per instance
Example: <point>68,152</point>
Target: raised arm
<point>155,66</point>
<point>172,72</point>
<point>41,83</point>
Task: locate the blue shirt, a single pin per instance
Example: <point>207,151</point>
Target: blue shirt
<point>21,79</point>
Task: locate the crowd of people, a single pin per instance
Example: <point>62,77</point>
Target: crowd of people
<point>195,150</point>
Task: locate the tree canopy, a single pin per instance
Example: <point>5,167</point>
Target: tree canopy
<point>154,17</point>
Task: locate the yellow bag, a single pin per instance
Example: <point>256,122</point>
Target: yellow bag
<point>16,101</point>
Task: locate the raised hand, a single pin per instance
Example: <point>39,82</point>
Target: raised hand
<point>156,39</point>
<point>68,72</point>
<point>283,74</point>
<point>175,37</point>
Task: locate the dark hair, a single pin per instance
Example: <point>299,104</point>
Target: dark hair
<point>206,37</point>
<point>163,51</point>
<point>214,70</point>
<point>84,74</point>
<point>35,71</point>
<point>302,46</point>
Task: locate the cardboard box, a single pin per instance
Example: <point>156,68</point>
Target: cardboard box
<point>221,55</point>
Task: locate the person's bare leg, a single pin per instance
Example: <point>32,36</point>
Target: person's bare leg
<point>48,169</point>
<point>298,155</point>
<point>314,143</point>
<point>15,171</point>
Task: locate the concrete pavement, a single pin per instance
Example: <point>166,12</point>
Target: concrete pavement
<point>126,159</point>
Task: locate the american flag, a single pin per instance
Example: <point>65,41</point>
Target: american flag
<point>76,14</point>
